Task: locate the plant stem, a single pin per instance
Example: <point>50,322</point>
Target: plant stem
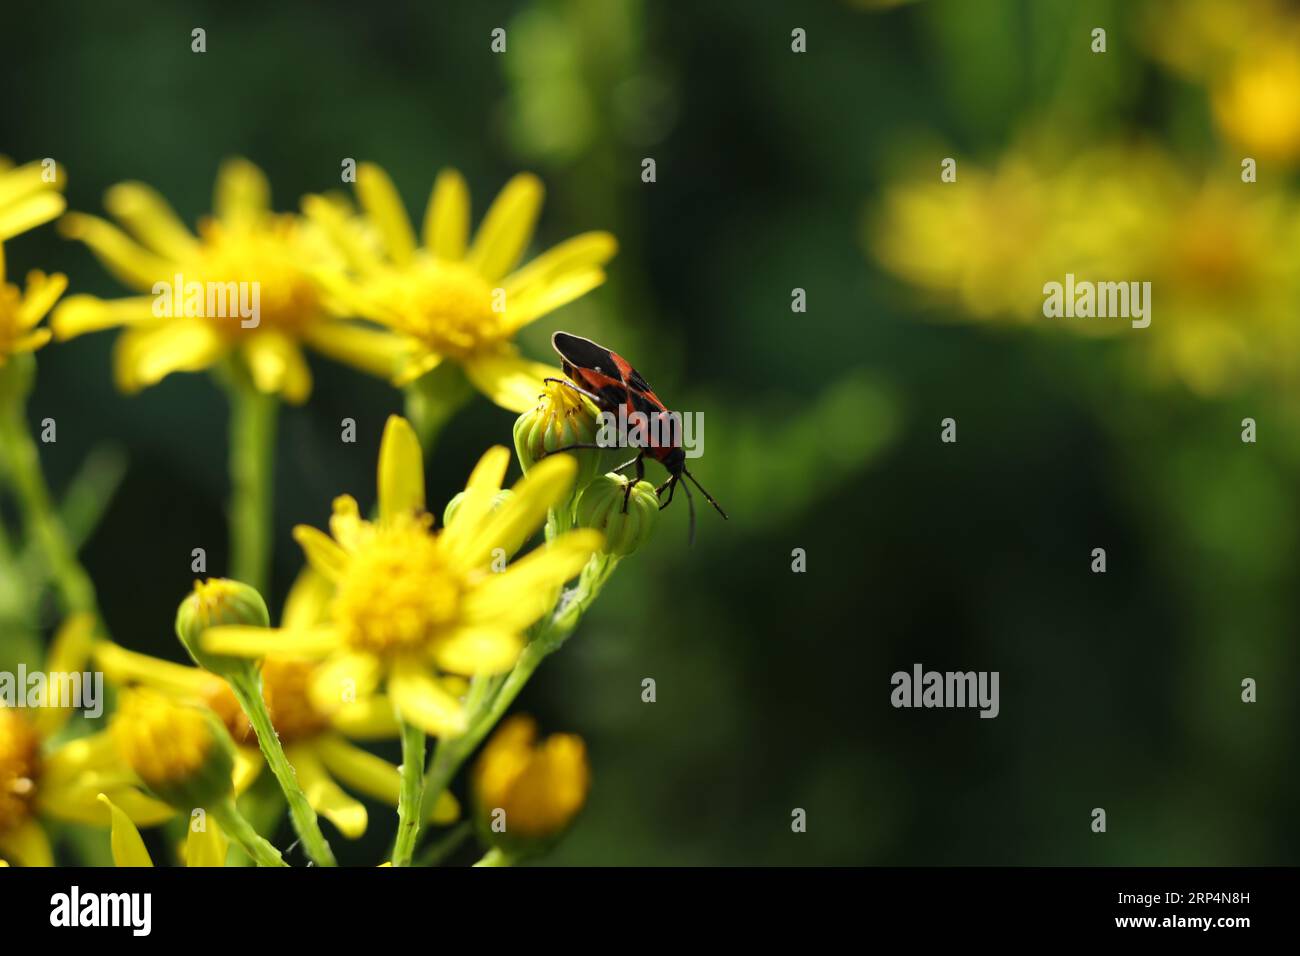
<point>76,592</point>
<point>446,845</point>
<point>548,635</point>
<point>252,481</point>
<point>410,796</point>
<point>238,829</point>
<point>305,824</point>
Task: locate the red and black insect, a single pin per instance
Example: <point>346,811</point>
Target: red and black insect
<point>611,383</point>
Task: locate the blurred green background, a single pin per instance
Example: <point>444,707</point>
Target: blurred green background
<point>1119,691</point>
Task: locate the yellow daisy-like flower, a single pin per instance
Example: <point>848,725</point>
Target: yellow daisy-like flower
<point>40,780</point>
<point>29,196</point>
<point>313,728</point>
<point>242,251</point>
<point>411,604</point>
<point>452,298</point>
<point>540,785</point>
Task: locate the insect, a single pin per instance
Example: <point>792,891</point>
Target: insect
<point>611,383</point>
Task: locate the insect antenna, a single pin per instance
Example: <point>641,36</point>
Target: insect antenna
<point>690,504</point>
<point>707,497</point>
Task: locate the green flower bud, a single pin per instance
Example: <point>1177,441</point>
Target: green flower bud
<point>562,418</point>
<point>183,754</point>
<point>219,601</point>
<point>600,506</point>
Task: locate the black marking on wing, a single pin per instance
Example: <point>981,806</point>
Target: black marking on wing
<point>584,353</point>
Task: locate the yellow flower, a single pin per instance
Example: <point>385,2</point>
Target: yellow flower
<point>455,299</point>
<point>243,255</point>
<point>411,604</point>
<point>540,786</point>
<point>179,751</point>
<point>1245,54</point>
<point>42,780</point>
<point>312,726</point>
<point>28,197</point>
<point>1217,255</point>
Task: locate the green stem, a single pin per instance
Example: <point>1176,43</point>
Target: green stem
<point>252,480</point>
<point>496,857</point>
<point>411,794</point>
<point>549,634</point>
<point>241,831</point>
<point>76,592</point>
<point>305,824</point>
<point>446,845</point>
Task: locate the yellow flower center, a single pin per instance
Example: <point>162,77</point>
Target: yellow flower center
<point>234,264</point>
<point>161,741</point>
<point>19,765</point>
<point>398,593</point>
<point>446,305</point>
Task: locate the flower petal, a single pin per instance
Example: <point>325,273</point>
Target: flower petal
<point>150,219</point>
<point>41,294</point>
<point>278,367</point>
<point>479,651</point>
<point>446,220</point>
<point>401,471</point>
<point>547,484</point>
<point>206,846</point>
<point>131,263</point>
<point>509,380</point>
<point>30,212</point>
<point>541,300</point>
<point>308,600</point>
<point>381,202</point>
<point>128,847</point>
<point>68,654</point>
<point>145,356</point>
<point>243,641</point>
<point>322,551</point>
<point>484,482</point>
<point>507,227</point>
<point>376,351</point>
<point>421,700</point>
<point>242,195</point>
<point>325,796</point>
<point>79,314</point>
<point>520,595</point>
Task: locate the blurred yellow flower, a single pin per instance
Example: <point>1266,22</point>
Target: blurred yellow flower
<point>1217,253</point>
<point>21,312</point>
<point>540,785</point>
<point>411,604</point>
<point>1247,53</point>
<point>312,727</point>
<point>41,780</point>
<point>243,256</point>
<point>29,196</point>
<point>451,298</point>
